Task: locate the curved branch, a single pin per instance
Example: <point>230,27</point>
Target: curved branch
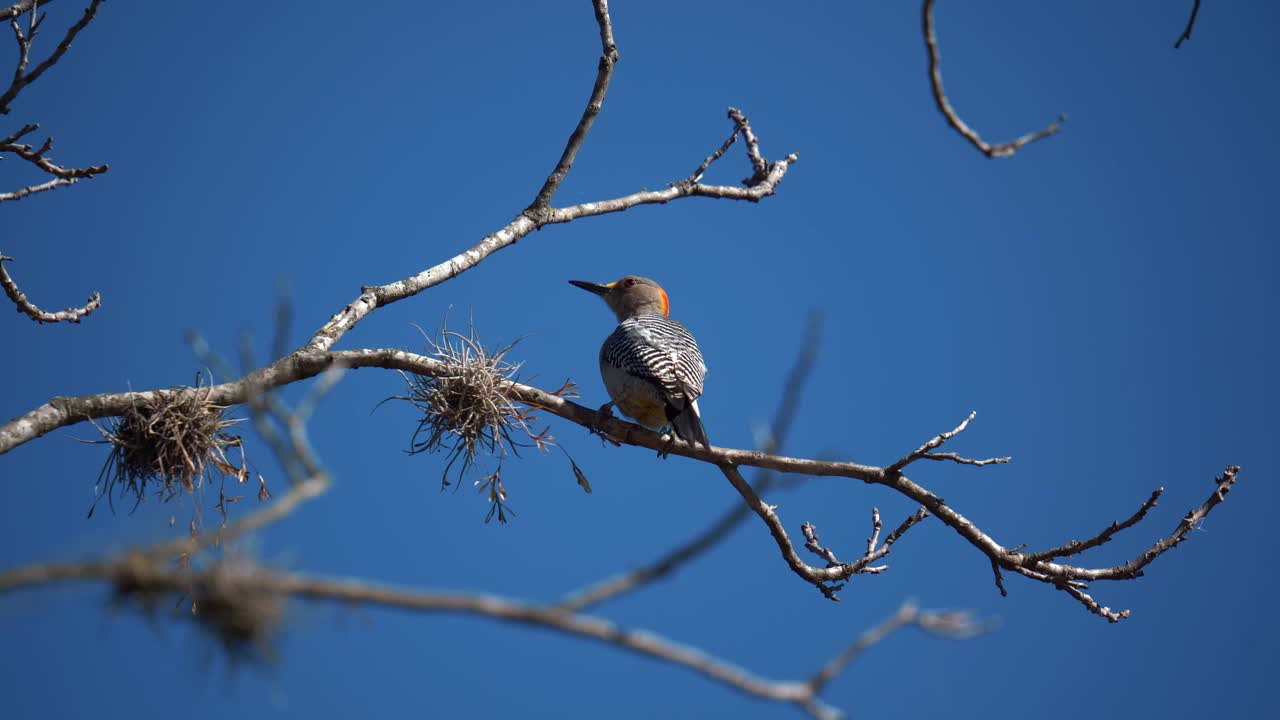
<point>953,119</point>
<point>1191,23</point>
<point>71,314</point>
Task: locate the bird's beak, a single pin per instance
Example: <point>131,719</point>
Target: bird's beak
<point>591,287</point>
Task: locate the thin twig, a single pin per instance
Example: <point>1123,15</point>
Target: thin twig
<point>936,442</point>
<point>19,298</point>
<point>1191,23</point>
<point>1076,547</point>
<point>953,118</point>
<point>953,457</point>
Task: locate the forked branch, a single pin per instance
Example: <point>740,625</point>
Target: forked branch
<point>38,157</point>
<point>22,77</point>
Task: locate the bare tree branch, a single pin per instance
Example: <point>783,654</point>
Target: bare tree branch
<point>1191,22</point>
<point>21,77</point>
<point>312,360</point>
<point>953,119</point>
<point>71,314</point>
<point>372,298</point>
<point>21,7</point>
<point>242,603</point>
<point>65,411</point>
<point>827,580</point>
<point>37,156</point>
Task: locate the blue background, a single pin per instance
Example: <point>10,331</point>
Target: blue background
<point>1105,300</point>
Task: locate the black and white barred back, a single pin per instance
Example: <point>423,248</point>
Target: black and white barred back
<point>661,354</point>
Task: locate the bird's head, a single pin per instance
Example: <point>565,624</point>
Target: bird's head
<point>632,295</point>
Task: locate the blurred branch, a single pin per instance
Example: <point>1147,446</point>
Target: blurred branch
<point>717,531</point>
<point>953,119</point>
<point>135,575</point>
<point>1191,23</point>
<point>957,625</point>
<point>19,299</point>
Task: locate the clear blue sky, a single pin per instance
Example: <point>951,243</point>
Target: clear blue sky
<point>1105,300</point>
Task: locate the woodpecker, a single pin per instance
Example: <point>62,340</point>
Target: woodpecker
<point>650,364</point>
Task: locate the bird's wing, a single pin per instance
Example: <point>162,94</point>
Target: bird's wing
<point>661,350</point>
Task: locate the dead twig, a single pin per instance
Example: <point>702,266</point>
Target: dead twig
<point>953,118</point>
<point>1191,23</point>
<point>31,310</point>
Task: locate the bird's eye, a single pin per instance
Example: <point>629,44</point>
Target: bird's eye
<point>629,282</point>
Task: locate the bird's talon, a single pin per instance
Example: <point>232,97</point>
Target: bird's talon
<point>669,440</point>
<point>605,412</point>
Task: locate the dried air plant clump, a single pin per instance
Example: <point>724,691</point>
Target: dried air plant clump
<point>172,441</point>
<point>228,600</point>
<point>464,412</point>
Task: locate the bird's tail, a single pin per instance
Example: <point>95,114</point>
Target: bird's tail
<point>688,425</point>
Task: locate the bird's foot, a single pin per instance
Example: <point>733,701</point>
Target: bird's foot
<point>597,427</point>
<point>670,435</point>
